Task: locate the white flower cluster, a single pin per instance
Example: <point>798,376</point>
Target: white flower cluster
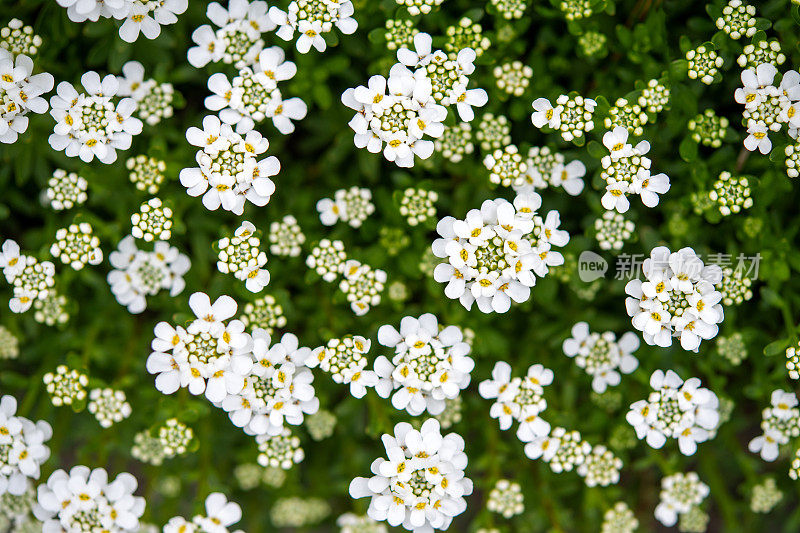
<point>768,108</point>
<point>546,168</point>
<point>85,500</point>
<point>22,448</point>
<point>601,355</point>
<point>19,38</point>
<point>311,19</point>
<point>238,39</point>
<point>76,246</point>
<point>427,368</point>
<point>506,498</point>
<point>108,406</point>
<point>240,255</point>
<point>564,451</point>
<point>66,386</point>
<point>279,451</point>
<point>261,387</point>
<point>495,254</point>
<point>219,515</point>
<point>94,123</point>
<point>520,399</point>
<point>66,190</point>
<point>138,273</point>
<point>361,284</point>
<point>153,99</point>
<point>286,237</point>
<point>612,230</point>
<point>572,116</point>
<point>229,172</point>
<point>253,94</point>
<point>421,87</point>
<point>779,423</point>
<point>174,437</point>
<point>152,222</point>
<point>139,16</point>
<point>677,299</point>
<point>277,389</point>
<point>680,493</point>
<point>677,409</point>
<point>32,280</point>
<point>421,484</point>
<point>738,19</point>
<point>20,93</point>
<point>353,523</point>
<point>627,171</point>
<point>344,359</point>
<point>351,205</point>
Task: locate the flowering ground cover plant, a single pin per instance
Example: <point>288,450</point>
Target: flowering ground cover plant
<point>490,266</point>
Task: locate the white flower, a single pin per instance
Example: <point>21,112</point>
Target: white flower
<point>417,459</point>
<point>20,93</point>
<point>545,114</point>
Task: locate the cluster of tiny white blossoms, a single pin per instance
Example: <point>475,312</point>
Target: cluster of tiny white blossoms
<point>572,116</point>
<point>174,437</point>
<point>351,205</point>
<point>654,97</point>
<point>240,254</point>
<point>731,193</point>
<point>630,116</point>
<point>767,108</point>
<point>677,299</point>
<point>95,123</point>
<point>510,9</point>
<point>518,398</point>
<point>495,255</point>
<point>20,93</point>
<point>229,172</point>
<point>601,355</point>
<point>703,63</point>
<point>327,259</point>
<point>415,7</point>
<point>286,237</point>
<point>493,132</point>
<point>564,450</point>
<point>31,280</point>
<point>22,448</point>
<point>506,498</point>
<point>153,99</point>
<point>779,423</point>
<point>108,406</point>
<point>9,344</point>
<point>238,39</point>
<point>427,368</point>
<point>65,386</point>
<point>345,360</point>
<point>86,500</point>
<point>677,409</point>
<point>626,171</point>
<point>77,246</point>
<point>546,168</point>
<point>421,484</point>
<point>362,285</point>
<point>762,51</point>
<point>66,190</point>
<point>281,450</point>
<point>417,205</point>
<point>766,496</point>
<point>421,86</point>
<point>146,173</point>
<point>353,523</point>
<point>138,16</point>
<point>311,19</point>
<point>152,222</point>
<point>737,19</point>
<point>619,519</point>
<point>298,512</point>
<point>456,142</point>
<point>264,313</point>
<point>139,273</point>
<point>253,94</point>
<point>680,494</point>
<point>19,38</point>
<point>277,389</point>
<point>219,515</point>
<point>513,78</point>
<point>612,230</point>
<point>793,361</point>
<point>506,167</point>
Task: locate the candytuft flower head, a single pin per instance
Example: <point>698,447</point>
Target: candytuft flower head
<point>421,484</point>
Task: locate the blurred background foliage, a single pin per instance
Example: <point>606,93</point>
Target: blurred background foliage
<point>318,158</point>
